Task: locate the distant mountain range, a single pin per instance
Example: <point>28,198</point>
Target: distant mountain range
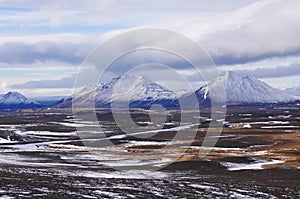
<point>142,93</point>
<point>47,101</point>
<point>293,91</point>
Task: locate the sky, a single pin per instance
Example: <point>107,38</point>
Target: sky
<point>44,42</point>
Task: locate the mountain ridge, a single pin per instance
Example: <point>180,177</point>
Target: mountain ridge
<point>141,92</point>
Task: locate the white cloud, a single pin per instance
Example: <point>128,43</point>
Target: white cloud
<point>267,63</point>
<point>44,92</point>
<point>3,87</point>
<point>265,28</point>
<point>101,12</point>
<point>55,38</point>
<point>261,35</point>
<point>243,35</point>
<point>65,82</point>
<point>47,68</point>
<point>283,82</point>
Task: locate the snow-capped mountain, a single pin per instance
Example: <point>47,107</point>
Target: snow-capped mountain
<point>241,89</point>
<point>142,92</point>
<point>139,91</point>
<point>15,100</point>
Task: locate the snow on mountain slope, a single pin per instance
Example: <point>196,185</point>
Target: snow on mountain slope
<point>243,89</point>
<point>239,89</point>
<point>14,98</point>
<point>136,88</point>
<point>122,89</point>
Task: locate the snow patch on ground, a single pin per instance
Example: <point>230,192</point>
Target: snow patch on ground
<point>254,166</point>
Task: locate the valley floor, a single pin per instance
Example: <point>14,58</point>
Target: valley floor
<point>51,154</point>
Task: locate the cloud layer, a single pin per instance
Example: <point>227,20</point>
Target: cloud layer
<point>261,30</point>
<point>66,82</point>
<point>280,71</point>
<point>236,33</point>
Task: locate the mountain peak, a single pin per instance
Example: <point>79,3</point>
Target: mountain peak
<point>14,98</point>
<point>14,93</point>
<point>138,87</point>
<point>243,89</point>
<point>139,90</point>
<point>232,75</point>
<point>129,76</point>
